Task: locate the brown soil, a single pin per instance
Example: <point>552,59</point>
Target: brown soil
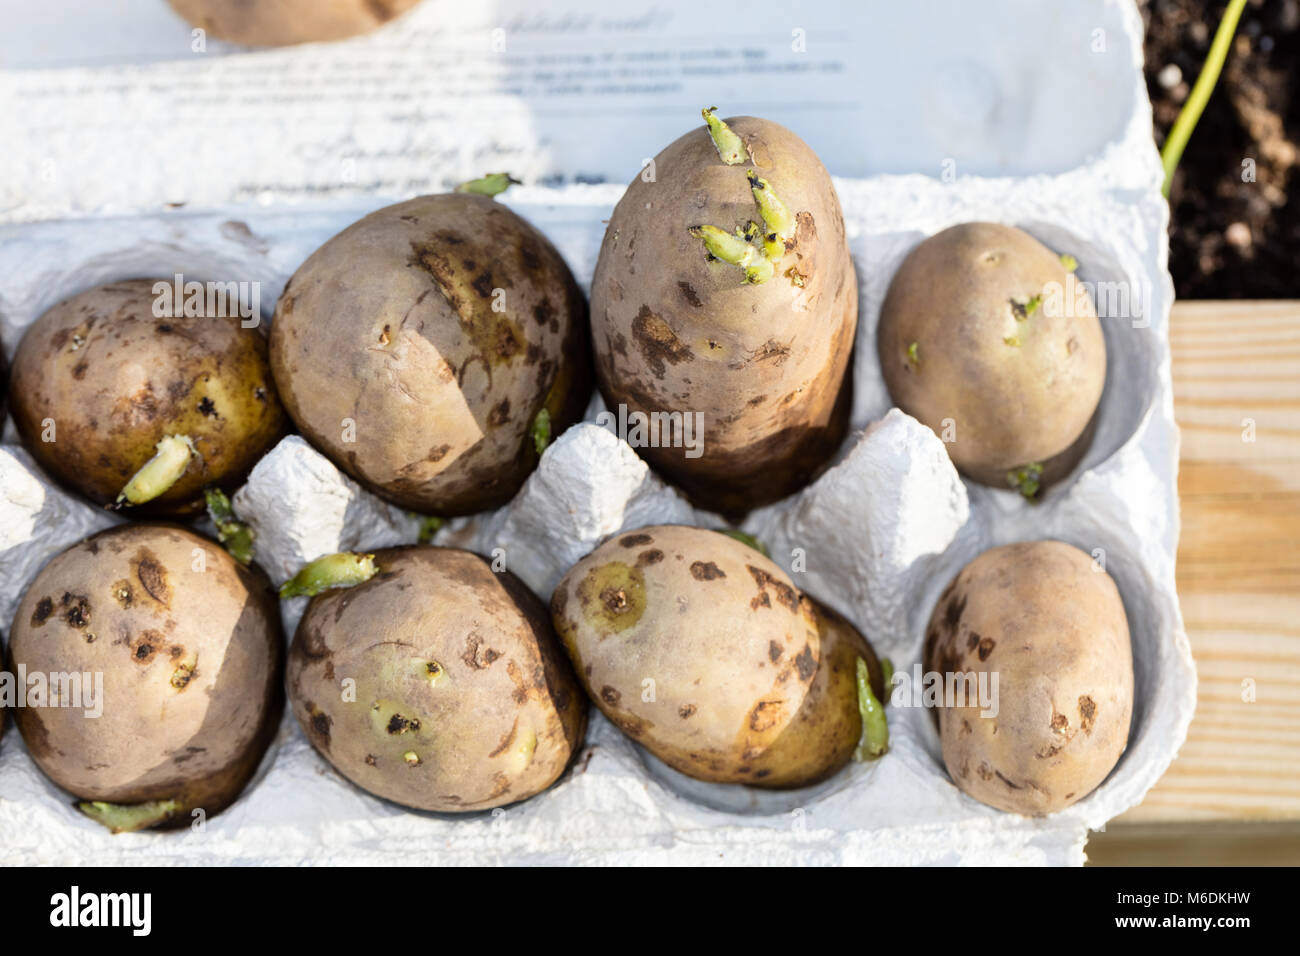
<point>1231,238</point>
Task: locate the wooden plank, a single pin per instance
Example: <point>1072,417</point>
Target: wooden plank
<point>1205,844</point>
<point>1235,364</point>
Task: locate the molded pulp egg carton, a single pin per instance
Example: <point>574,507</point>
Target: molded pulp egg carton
<point>881,532</point>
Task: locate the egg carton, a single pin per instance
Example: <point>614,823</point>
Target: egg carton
<point>877,536</point>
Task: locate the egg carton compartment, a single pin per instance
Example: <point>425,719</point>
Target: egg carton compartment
<point>1103,232</point>
<point>882,532</point>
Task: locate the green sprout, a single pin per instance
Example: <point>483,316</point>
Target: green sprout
<point>1023,310</point>
<point>1027,479</point>
<point>1188,116</point>
<point>875,728</point>
<point>430,525</point>
<point>733,248</point>
<point>723,245</point>
<point>123,818</point>
<point>780,224</point>
<point>171,459</point>
<point>730,147</point>
<point>493,184</point>
<point>541,430</point>
<point>747,539</point>
<point>1069,262</point>
<point>914,354</point>
<point>741,248</point>
<point>757,251</point>
<point>342,570</point>
<point>1012,340</point>
<point>234,535</point>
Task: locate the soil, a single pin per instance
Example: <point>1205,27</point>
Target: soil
<point>1235,202</point>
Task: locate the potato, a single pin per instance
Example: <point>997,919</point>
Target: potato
<point>677,330</point>
<point>1050,624</point>
<point>189,645</point>
<point>99,380</point>
<point>286,22</point>
<point>828,726</point>
<point>420,347</point>
<point>436,684</point>
<point>982,338</point>
<point>699,648</point>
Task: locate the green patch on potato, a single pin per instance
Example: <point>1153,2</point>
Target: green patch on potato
<point>734,676</point>
<point>613,597</point>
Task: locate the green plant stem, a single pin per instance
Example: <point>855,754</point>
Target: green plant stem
<point>1200,95</point>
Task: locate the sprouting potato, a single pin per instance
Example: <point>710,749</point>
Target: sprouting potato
<point>432,349</point>
<point>189,645</point>
<point>981,339</point>
<point>725,288</point>
<point>142,411</point>
<point>699,648</point>
<point>435,683</point>
<point>1050,624</point>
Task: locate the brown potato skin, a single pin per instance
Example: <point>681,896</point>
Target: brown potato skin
<point>116,380</point>
<point>503,672</point>
<point>1010,405</point>
<point>744,690</point>
<point>391,324</point>
<point>1054,630</point>
<point>287,22</point>
<point>827,728</point>
<point>674,331</point>
<point>133,589</point>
